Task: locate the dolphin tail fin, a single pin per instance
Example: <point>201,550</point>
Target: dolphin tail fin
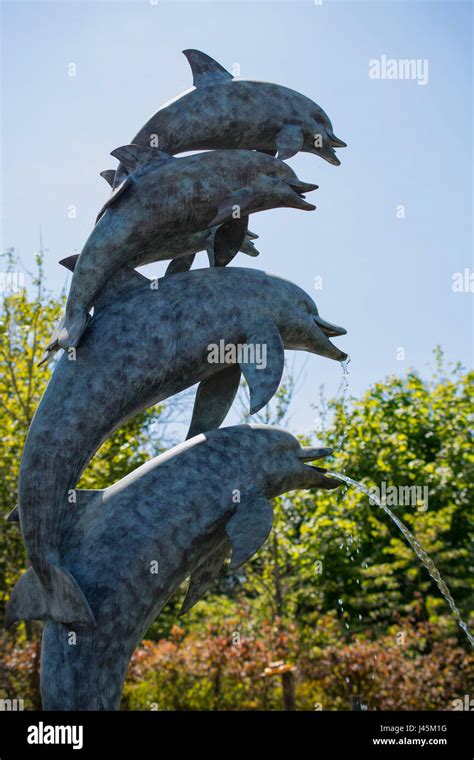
<point>68,333</point>
<point>48,354</point>
<point>63,602</point>
<point>71,328</point>
<point>14,515</point>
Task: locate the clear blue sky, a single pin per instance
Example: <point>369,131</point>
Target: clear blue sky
<point>388,281</point>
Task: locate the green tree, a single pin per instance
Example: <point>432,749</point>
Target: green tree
<point>336,552</point>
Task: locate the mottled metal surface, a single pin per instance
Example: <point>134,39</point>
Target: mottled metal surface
<point>222,112</point>
<point>131,546</point>
<point>166,194</point>
<point>142,346</point>
<point>181,249</point>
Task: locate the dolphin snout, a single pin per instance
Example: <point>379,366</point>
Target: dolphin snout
<point>330,330</point>
<point>322,345</point>
<point>309,453</point>
<point>335,141</point>
<point>297,189</point>
<point>303,187</point>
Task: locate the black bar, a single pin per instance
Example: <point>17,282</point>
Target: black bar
<point>446,734</point>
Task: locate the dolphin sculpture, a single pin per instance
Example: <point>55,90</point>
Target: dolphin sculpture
<point>182,250</point>
<point>161,194</point>
<point>131,545</point>
<point>185,247</point>
<point>142,346</point>
<point>221,112</point>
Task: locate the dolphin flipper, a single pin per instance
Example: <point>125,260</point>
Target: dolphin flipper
<point>205,69</point>
<point>180,265</point>
<point>263,383</point>
<point>63,602</point>
<point>226,241</point>
<point>289,141</point>
<point>249,527</point>
<point>229,240</point>
<point>234,203</point>
<point>203,576</point>
<point>214,398</point>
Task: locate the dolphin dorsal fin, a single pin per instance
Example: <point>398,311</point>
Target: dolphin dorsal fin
<point>136,157</point>
<point>205,69</point>
<point>122,281</point>
<point>109,176</point>
<point>70,262</point>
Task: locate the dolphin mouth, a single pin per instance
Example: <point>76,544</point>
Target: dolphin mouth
<point>330,330</point>
<point>333,142</point>
<point>309,454</point>
<point>298,189</point>
<point>326,330</point>
<point>326,151</point>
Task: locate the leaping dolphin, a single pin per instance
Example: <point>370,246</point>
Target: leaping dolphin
<point>141,347</point>
<point>182,249</point>
<point>221,112</point>
<point>180,514</point>
<point>163,194</point>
